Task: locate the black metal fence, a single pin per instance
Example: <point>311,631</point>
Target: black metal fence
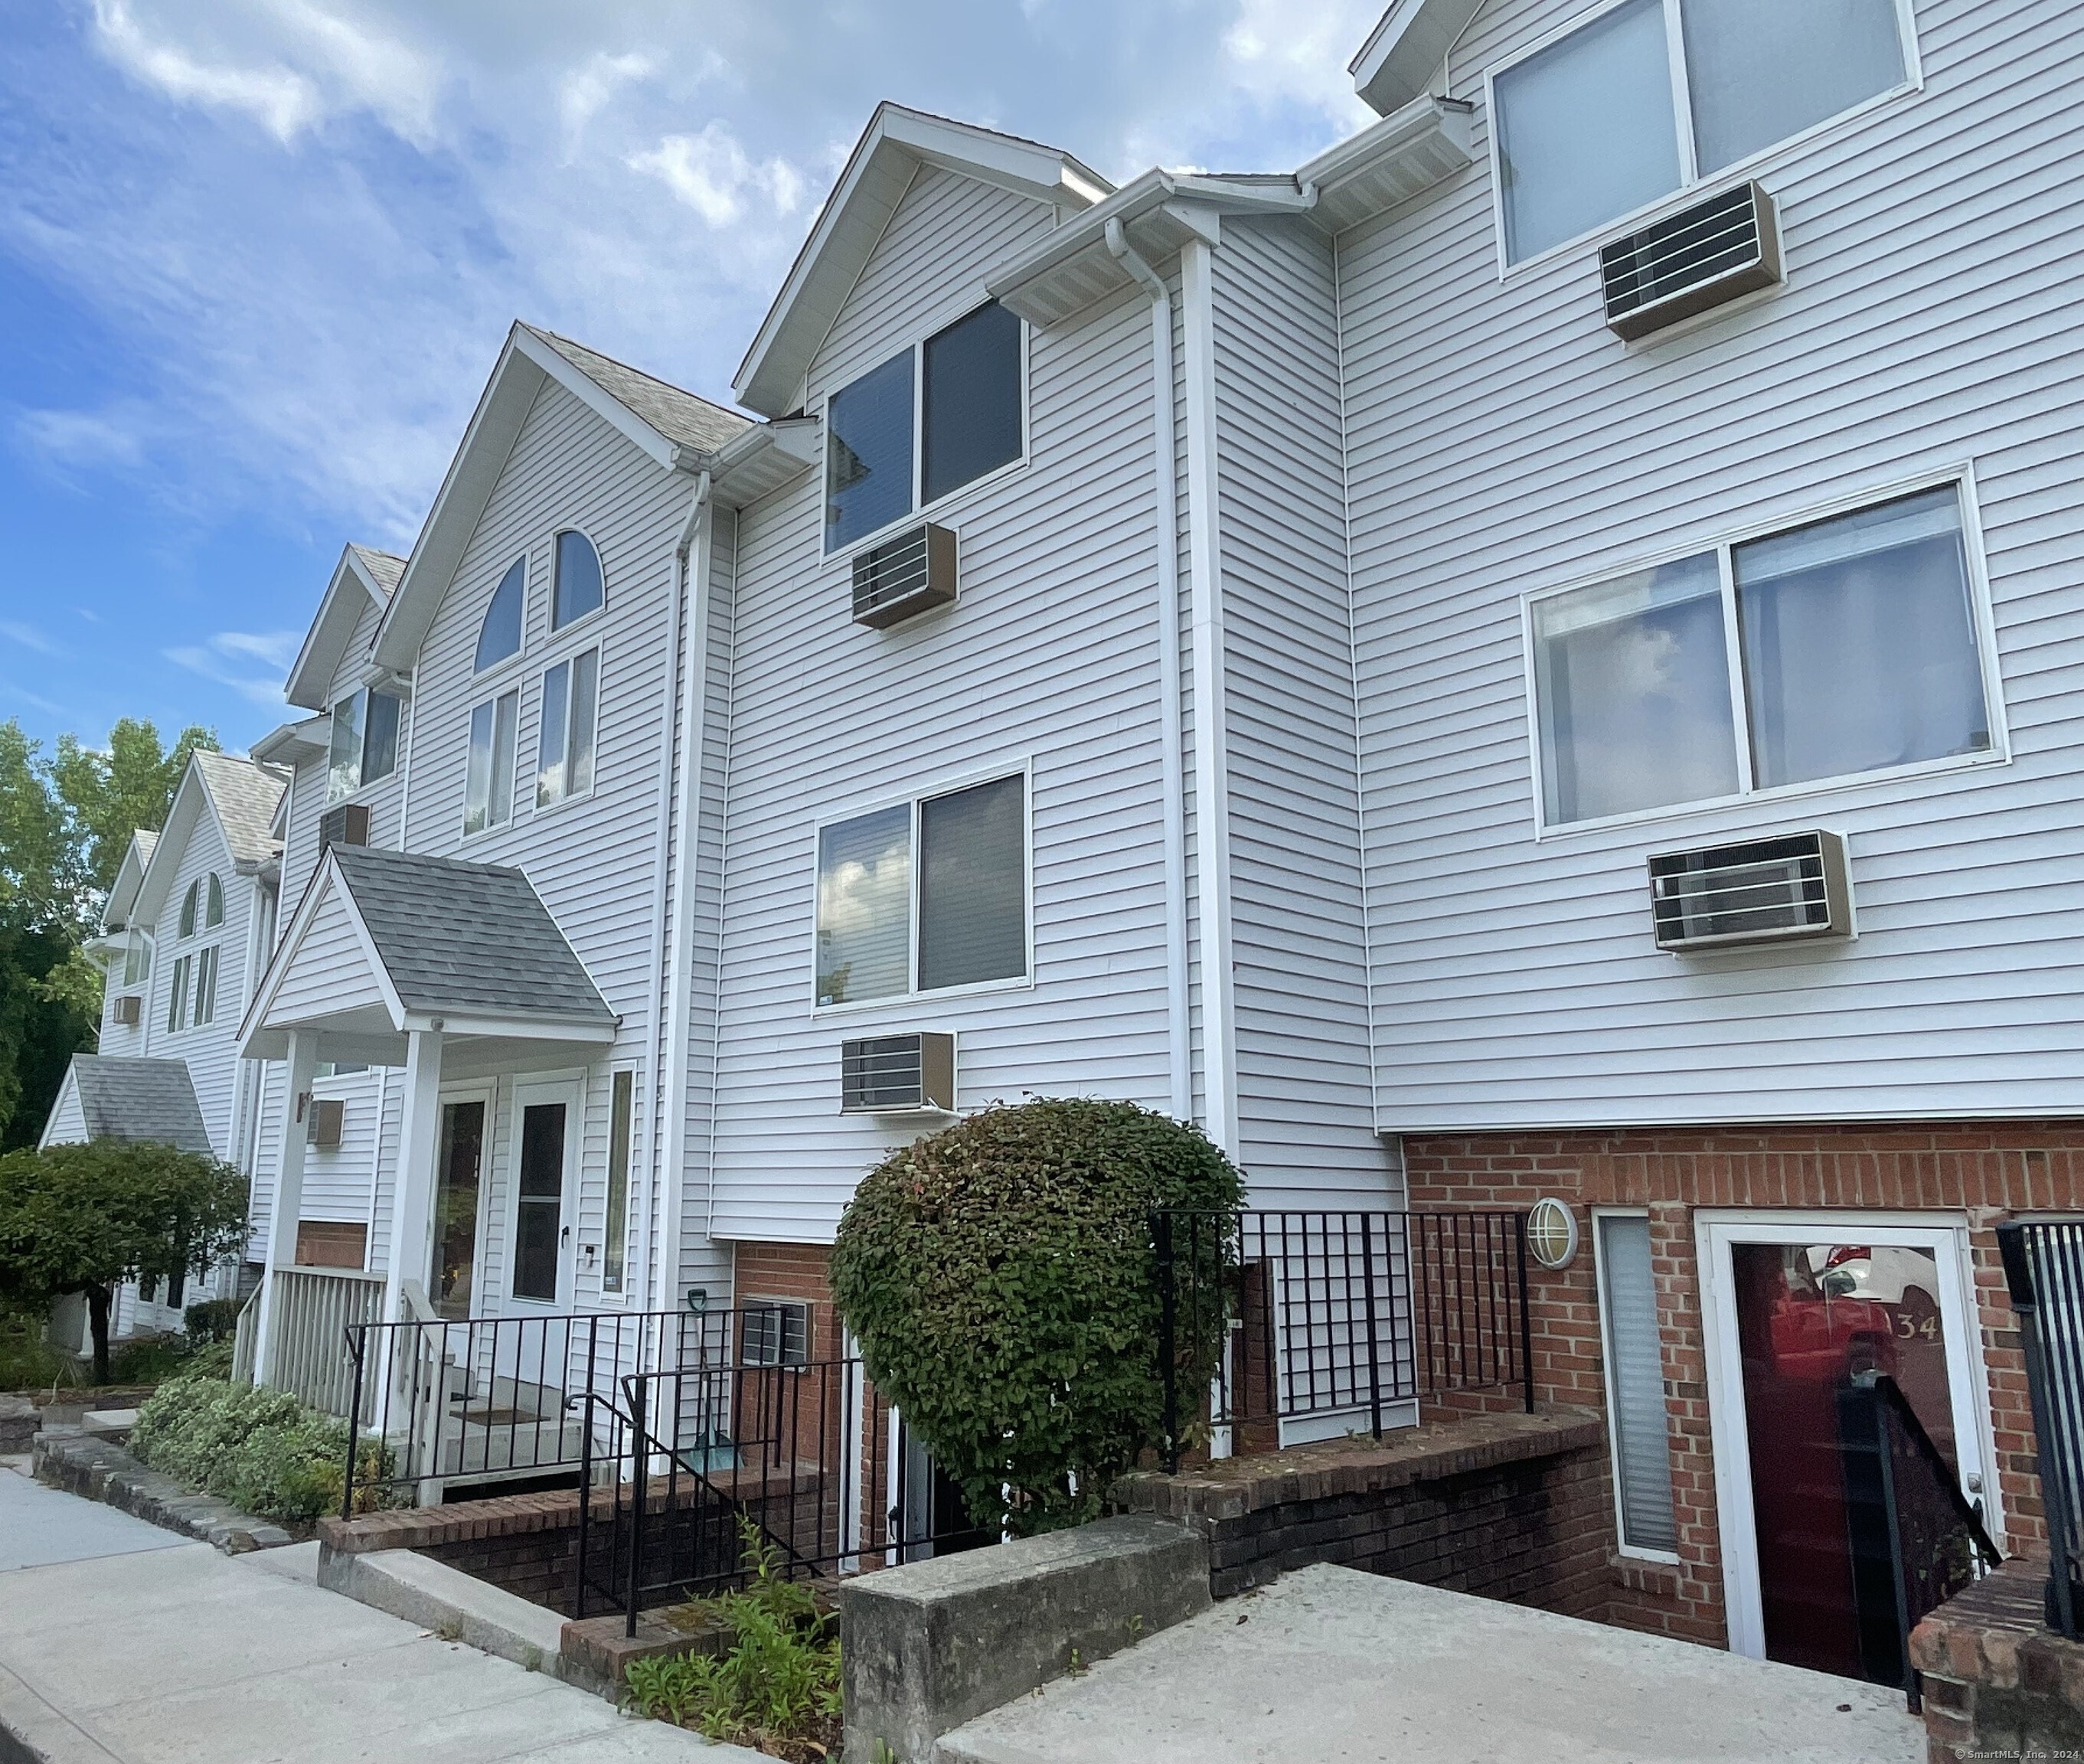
<point>437,1404</point>
<point>1266,1317</point>
<point>2044,1272</point>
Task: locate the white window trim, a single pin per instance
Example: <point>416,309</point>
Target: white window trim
<point>206,966</point>
<point>1024,770</point>
<point>1981,617</point>
<point>766,1301</point>
<point>620,1297</point>
<point>941,506</point>
<point>1691,182</point>
<point>533,1090</point>
<point>1945,1233</point>
<point>468,834</point>
<point>554,632</point>
<point>486,1092</point>
<point>1634,1552</point>
<point>178,998</point>
<point>492,670</point>
<point>366,789</point>
<point>548,661</point>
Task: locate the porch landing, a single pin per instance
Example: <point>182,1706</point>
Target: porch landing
<point>1330,1664</point>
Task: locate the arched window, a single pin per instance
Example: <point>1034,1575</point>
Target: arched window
<point>579,589</point>
<point>188,908</point>
<point>213,912</point>
<point>500,635</point>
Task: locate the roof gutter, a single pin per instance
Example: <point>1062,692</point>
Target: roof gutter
<point>1164,467</point>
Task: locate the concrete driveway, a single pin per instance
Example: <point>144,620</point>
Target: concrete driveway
<point>1329,1666</point>
<point>121,1644</point>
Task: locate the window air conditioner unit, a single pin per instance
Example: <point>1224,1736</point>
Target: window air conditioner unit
<point>1691,261</point>
<point>1762,892</point>
<point>324,1121</point>
<point>898,1074</point>
<point>128,1010</point>
<point>345,825</point>
<point>904,576</point>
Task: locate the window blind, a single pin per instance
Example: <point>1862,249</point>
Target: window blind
<point>1635,1401</point>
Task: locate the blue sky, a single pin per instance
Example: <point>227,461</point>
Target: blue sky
<point>256,256</point>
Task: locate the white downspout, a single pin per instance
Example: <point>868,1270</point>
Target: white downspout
<point>1171,742</point>
<point>1212,867</point>
<point>691,559</point>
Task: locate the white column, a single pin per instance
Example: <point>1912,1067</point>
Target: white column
<point>289,1201</point>
<point>419,1146</point>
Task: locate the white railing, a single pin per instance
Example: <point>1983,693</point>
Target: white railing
<point>245,1333</point>
<point>307,1352</point>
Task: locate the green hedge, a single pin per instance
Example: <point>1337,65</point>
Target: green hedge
<point>262,1450</point>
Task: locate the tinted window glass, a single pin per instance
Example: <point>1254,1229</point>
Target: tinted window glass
<point>972,886</point>
<point>868,452</point>
<point>972,418</point>
<point>500,635</point>
<point>539,1204</point>
<point>1587,130</point>
<point>380,738</point>
<point>579,588</point>
<point>1760,70</point>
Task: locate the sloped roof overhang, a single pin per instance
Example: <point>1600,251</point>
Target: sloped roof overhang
<point>1406,48</point>
<point>893,149</point>
<point>354,584</point>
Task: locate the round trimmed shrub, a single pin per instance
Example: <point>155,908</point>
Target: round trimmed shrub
<point>1000,1277</point>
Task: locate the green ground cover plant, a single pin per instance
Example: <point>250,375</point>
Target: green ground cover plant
<point>262,1450</point>
<point>774,1687</point>
<point>1001,1278</point>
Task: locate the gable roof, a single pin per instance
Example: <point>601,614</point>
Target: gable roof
<point>364,576</point>
<point>443,943</point>
<point>677,430</point>
<point>240,795</point>
<point>130,877</point>
<point>137,1100</point>
<point>1406,48</point>
<point>893,147</point>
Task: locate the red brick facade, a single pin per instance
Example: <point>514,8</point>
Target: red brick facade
<point>1984,1171</point>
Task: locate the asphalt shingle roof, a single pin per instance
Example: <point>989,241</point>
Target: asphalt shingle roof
<point>464,937</point>
<point>153,1100</point>
<point>245,794</point>
<point>382,566</point>
<point>679,415</point>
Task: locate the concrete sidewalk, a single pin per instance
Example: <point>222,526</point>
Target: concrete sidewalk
<point>124,1644</point>
<point>1329,1666</point>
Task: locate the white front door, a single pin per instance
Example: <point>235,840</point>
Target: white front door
<point>542,1192</point>
<point>1794,1306</point>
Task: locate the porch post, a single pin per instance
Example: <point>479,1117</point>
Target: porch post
<point>419,1145</point>
<point>289,1197</point>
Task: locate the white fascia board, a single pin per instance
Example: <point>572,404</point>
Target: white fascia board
<point>667,454</point>
<point>117,911</point>
<point>763,460</point>
<point>190,796</point>
<point>896,142</point>
<point>1389,162</point>
<point>1405,48</point>
<point>504,1026</point>
<point>311,673</point>
<point>503,407</point>
<point>259,1039</point>
<point>286,742</point>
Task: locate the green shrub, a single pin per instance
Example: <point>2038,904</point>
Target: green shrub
<point>262,1450</point>
<point>1000,1277</point>
<point>777,1686</point>
<point>147,1359</point>
<point>212,1320</point>
<point>28,1361</point>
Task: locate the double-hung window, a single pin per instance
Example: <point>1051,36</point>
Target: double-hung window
<point>1846,646</point>
<point>564,745</point>
<point>365,743</point>
<point>925,896</point>
<point>489,777</point>
<point>924,424</point>
<point>1609,118</point>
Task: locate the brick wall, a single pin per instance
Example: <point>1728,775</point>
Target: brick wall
<point>1985,1170</point>
<point>1998,1682</point>
<point>789,1271</point>
<point>526,1544</point>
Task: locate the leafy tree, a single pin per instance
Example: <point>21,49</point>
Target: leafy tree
<point>1000,1276</point>
<point>65,824</point>
<point>86,1218</point>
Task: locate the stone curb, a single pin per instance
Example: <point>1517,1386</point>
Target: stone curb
<point>106,1473</point>
<point>448,1601</point>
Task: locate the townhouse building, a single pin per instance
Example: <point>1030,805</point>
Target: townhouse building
<point>1521,662</point>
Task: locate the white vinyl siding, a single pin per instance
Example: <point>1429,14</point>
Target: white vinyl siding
<point>1051,654</point>
<point>1501,441</point>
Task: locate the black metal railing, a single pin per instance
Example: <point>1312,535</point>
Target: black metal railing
<point>1915,1539</point>
<point>437,1404</point>
<point>684,1465</point>
<point>2043,1262</point>
<point>1266,1317</point>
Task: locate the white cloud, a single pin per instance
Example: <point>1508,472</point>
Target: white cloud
<point>588,87</point>
<point>712,174</point>
<point>228,658</point>
<point>82,438</point>
<point>278,99</point>
<point>27,637</point>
